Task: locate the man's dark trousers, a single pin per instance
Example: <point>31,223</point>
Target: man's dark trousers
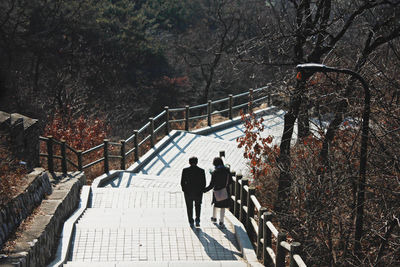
<point>193,183</point>
<point>189,207</point>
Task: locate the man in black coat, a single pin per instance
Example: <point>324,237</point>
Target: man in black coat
<point>193,183</point>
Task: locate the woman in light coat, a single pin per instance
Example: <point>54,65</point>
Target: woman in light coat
<point>220,178</point>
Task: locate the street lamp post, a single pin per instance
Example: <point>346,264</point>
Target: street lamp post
<point>312,68</point>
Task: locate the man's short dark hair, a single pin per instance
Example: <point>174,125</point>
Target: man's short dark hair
<point>193,161</point>
<point>218,162</point>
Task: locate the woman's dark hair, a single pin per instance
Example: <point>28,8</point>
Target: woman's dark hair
<point>218,162</point>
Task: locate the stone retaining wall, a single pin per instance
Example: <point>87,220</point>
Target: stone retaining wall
<point>15,211</point>
<point>24,137</point>
<point>38,243</point>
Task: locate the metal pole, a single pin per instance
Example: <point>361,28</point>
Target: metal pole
<point>50,163</point>
<point>123,155</point>
<point>63,157</point>
<point>243,198</point>
<point>151,120</point>
<point>209,112</point>
<point>260,216</point>
<point>186,118</point>
<point>251,100</point>
<point>250,208</point>
<point>236,205</point>
<point>135,144</point>
<point>267,235</point>
<point>79,154</point>
<point>166,120</point>
<point>106,166</point>
<point>294,249</point>
<point>230,106</point>
<point>280,251</point>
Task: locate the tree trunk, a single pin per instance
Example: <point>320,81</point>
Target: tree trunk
<point>285,180</point>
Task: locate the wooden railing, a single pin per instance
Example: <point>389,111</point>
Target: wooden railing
<point>156,127</point>
<point>271,245</point>
<point>257,221</point>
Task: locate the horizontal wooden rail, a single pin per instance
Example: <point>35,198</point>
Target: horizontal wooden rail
<point>55,141</point>
<point>114,156</point>
<point>114,144</point>
<point>198,106</point>
<point>130,151</point>
<point>198,117</point>
<point>93,163</point>
<point>240,95</point>
<point>160,115</point>
<point>220,100</point>
<point>176,109</point>
<point>92,149</point>
<point>260,99</point>
<point>143,128</point>
<point>144,140</point>
<point>220,111</point>
<point>299,261</point>
<point>162,125</point>
<point>257,204</point>
<point>177,120</point>
<point>240,106</point>
<point>71,148</point>
<point>72,163</point>
<point>147,133</point>
<point>272,228</point>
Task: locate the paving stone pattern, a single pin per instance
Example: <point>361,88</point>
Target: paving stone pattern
<point>139,219</point>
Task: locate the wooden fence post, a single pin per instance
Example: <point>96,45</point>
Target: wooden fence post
<point>50,163</point>
<point>267,236</point>
<point>122,154</point>
<point>151,120</point>
<point>79,154</point>
<point>260,215</point>
<point>243,198</point>
<point>250,208</point>
<point>166,120</point>
<point>237,196</point>
<point>209,112</point>
<point>135,144</point>
<point>63,157</point>
<point>186,118</point>
<point>232,191</point>
<point>294,249</point>
<point>230,106</point>
<point>106,166</point>
<point>251,100</point>
<point>280,251</point>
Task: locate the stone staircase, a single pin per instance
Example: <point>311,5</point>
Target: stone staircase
<point>148,227</point>
<point>138,218</point>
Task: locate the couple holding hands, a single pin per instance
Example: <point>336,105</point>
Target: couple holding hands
<point>193,184</point>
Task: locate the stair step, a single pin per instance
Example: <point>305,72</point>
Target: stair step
<point>157,264</point>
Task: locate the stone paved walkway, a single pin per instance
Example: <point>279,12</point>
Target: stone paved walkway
<point>139,219</point>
